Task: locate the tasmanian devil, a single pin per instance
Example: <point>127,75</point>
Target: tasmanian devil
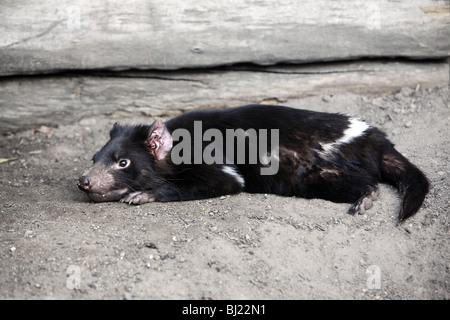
<point>256,149</point>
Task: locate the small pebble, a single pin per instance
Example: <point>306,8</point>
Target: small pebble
<point>127,296</point>
<point>167,256</point>
<point>326,98</point>
<point>319,227</point>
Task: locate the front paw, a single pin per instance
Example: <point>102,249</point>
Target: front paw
<point>138,197</point>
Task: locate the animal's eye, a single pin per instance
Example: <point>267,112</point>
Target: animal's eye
<point>123,163</point>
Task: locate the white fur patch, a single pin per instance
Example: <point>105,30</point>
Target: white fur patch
<point>232,172</point>
<point>355,129</point>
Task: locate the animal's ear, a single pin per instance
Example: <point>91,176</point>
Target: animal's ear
<point>114,129</point>
<point>159,140</point>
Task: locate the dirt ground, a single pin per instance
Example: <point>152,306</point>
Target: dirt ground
<point>56,244</point>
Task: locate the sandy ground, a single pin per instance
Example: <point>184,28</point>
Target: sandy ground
<point>55,244</point>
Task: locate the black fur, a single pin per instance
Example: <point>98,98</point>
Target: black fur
<point>349,174</point>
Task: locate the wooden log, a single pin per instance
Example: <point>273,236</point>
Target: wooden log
<point>51,100</point>
<point>53,35</point>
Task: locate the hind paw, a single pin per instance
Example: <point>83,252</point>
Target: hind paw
<point>138,198</point>
<point>363,204</point>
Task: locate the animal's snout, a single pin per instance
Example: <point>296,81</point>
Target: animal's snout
<point>84,183</point>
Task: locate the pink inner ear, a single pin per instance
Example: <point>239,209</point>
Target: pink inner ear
<point>159,140</point>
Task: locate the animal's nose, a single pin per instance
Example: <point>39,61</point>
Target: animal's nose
<point>84,183</point>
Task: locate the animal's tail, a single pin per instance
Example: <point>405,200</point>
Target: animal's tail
<point>407,178</point>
